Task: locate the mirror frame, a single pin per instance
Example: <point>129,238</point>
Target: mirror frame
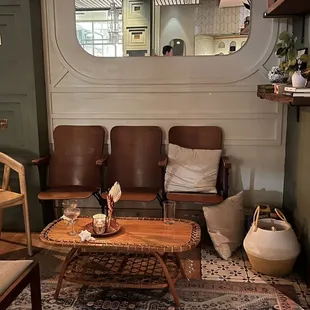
<point>159,70</point>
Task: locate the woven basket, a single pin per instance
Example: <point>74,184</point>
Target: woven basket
<point>275,268</point>
<point>271,245</point>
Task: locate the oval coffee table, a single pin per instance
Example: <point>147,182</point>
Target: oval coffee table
<point>142,255</point>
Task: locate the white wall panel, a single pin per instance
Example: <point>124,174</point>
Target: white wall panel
<point>213,90</point>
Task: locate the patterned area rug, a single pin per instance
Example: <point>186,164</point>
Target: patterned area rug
<point>239,269</point>
<point>194,295</point>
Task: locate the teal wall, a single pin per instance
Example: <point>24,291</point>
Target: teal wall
<point>296,198</point>
<point>22,100</point>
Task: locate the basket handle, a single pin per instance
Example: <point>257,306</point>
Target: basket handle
<point>281,215</point>
<point>256,218</point>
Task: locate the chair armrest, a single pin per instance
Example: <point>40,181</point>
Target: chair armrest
<point>226,162</point>
<point>43,161</point>
<point>163,163</point>
<point>101,161</point>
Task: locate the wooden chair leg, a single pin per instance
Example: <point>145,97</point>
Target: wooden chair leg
<point>1,214</point>
<point>27,227</point>
<point>35,288</point>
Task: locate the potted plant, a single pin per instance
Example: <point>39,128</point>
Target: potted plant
<point>291,63</point>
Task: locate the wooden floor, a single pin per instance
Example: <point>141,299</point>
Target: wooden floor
<point>13,246</point>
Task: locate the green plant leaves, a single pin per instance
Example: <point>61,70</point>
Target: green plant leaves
<point>281,51</point>
<point>279,45</point>
<point>285,36</point>
<point>303,58</point>
<point>286,49</point>
<point>292,54</point>
<point>292,62</point>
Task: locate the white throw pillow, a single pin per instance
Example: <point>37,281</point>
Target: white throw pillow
<point>225,223</point>
<point>191,170</point>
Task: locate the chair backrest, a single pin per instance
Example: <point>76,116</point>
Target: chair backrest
<point>135,152</point>
<point>11,164</point>
<point>73,162</point>
<point>197,137</point>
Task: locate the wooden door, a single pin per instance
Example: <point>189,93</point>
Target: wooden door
<point>23,133</point>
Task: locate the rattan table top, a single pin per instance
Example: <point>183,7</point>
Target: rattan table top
<point>136,234</point>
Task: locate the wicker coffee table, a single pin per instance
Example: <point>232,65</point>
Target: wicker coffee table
<point>142,255</point>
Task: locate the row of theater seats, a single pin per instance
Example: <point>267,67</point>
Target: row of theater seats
<point>136,161</point>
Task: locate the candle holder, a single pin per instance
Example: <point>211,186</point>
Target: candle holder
<point>100,224</point>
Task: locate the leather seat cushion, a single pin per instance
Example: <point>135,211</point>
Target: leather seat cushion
<point>66,192</point>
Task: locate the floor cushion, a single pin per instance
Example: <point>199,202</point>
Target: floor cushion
<point>226,223</point>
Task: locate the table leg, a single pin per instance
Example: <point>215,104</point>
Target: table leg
<point>63,270</point>
<point>169,280</point>
<point>179,264</point>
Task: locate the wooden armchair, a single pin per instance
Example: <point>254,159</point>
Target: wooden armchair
<point>135,152</point>
<point>200,137</point>
<point>75,166</point>
<point>11,199</point>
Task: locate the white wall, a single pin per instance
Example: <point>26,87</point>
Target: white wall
<point>168,91</point>
<point>178,22</point>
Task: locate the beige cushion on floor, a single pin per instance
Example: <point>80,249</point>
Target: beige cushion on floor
<point>225,223</point>
<point>192,170</point>
<point>10,271</point>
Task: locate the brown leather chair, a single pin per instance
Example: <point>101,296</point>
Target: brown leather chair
<point>200,137</point>
<point>75,166</point>
<point>133,162</point>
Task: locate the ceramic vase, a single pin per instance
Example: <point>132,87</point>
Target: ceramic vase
<point>298,80</point>
<point>271,245</point>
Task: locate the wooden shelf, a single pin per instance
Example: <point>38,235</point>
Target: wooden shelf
<point>295,102</point>
<point>283,8</point>
<point>275,97</point>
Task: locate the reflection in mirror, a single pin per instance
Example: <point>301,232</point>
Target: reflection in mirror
<point>117,28</point>
<point>178,46</point>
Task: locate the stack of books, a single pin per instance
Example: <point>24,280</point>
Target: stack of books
<point>265,88</point>
<point>296,92</point>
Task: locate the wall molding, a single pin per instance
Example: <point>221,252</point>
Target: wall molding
<point>164,116</point>
<point>271,135</point>
<point>150,88</point>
